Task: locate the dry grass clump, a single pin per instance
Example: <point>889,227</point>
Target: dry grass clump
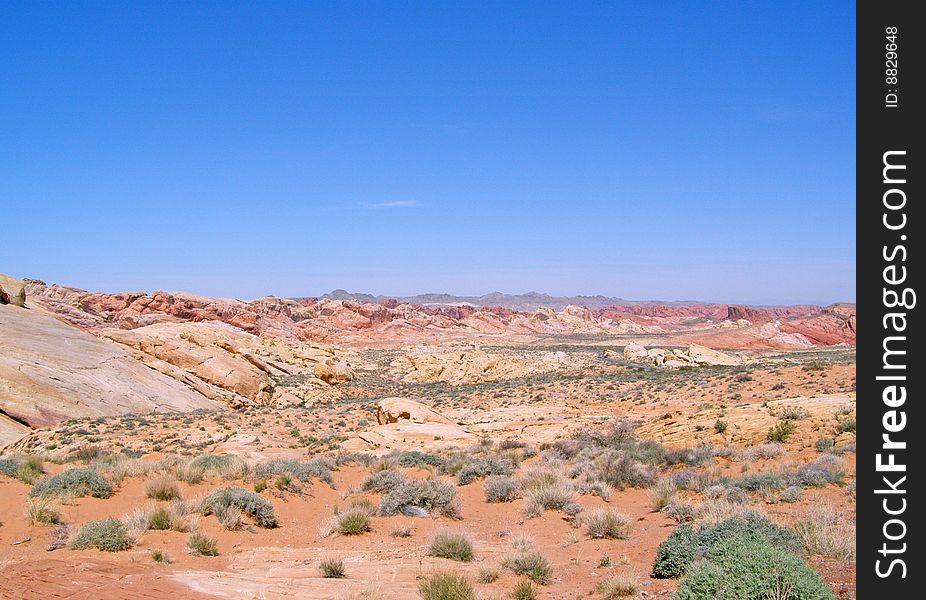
<point>176,516</point>
<point>332,568</point>
<point>488,575</point>
<point>662,494</point>
<point>607,524</point>
<point>822,531</point>
<point>454,545</point>
<point>446,586</point>
<point>533,565</point>
<point>356,519</point>
<point>524,590</point>
<point>162,488</point>
<point>44,511</point>
<point>618,586</point>
<point>201,544</point>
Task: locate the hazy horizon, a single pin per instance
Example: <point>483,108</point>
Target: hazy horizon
<point>705,152</point>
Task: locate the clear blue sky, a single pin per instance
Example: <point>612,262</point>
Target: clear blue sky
<point>649,150</point>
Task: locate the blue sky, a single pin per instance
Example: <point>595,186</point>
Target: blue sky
<point>689,150</point>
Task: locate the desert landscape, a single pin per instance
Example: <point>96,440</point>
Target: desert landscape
<point>435,447</point>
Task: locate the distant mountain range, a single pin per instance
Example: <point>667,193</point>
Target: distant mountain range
<point>521,302</point>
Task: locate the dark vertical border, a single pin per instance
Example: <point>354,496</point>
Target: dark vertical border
<point>883,128</point>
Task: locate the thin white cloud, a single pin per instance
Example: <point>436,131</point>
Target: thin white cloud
<point>395,204</point>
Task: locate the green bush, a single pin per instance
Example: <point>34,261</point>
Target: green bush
<point>429,494</point>
<point>109,535</point>
<point>781,431</point>
<point>747,566</point>
<point>675,555</point>
<point>446,586</point>
<point>524,590</point>
<point>77,482</point>
<point>452,545</point>
<point>254,505</point>
<point>202,544</point>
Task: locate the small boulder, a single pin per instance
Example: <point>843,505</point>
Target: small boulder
<point>334,372</point>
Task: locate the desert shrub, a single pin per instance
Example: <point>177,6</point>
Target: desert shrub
<point>763,451</point>
<point>824,443</point>
<point>382,481</point>
<point>714,492</point>
<point>317,468</point>
<point>430,494</point>
<point>558,496</point>
<point>42,510</point>
<point>162,488</point>
<point>80,482</point>
<point>680,512</point>
<point>24,468</point>
<point>737,495</point>
<point>607,524</point>
<point>720,426</point>
<point>414,458</point>
<point>662,494</point>
<point>260,485</point>
<point>86,454</point>
<point>692,479</point>
<point>482,467</point>
<point>620,470</point>
<point>109,535</point>
<point>790,494</point>
<point>254,505</point>
<point>744,566</point>
<point>763,481</point>
<point>451,544</point>
<point>618,586</point>
<point>845,424</point>
<point>678,551</point>
<point>332,568</point>
<point>524,590</point>
<point>488,575</point>
<point>781,431</point>
<point>501,488</point>
<point>820,471</point>
<point>202,545</point>
<point>446,586</point>
<point>531,564</point>
<point>822,532</point>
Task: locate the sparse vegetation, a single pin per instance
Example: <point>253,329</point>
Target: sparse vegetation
<point>618,586</point>
<point>163,489</point>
